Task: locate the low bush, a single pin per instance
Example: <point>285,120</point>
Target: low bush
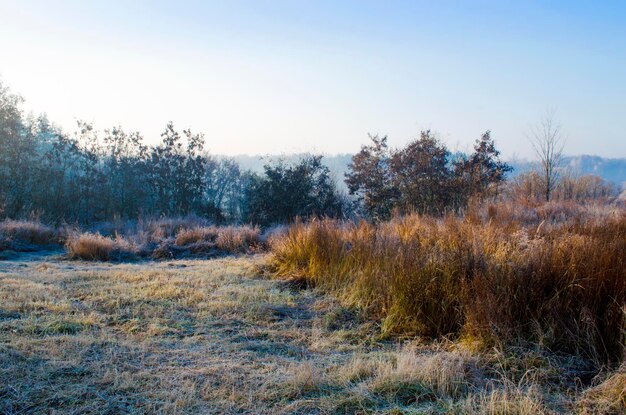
<point>561,286</point>
<point>28,232</point>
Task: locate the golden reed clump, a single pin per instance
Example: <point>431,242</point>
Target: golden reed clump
<point>90,246</point>
<point>486,276</point>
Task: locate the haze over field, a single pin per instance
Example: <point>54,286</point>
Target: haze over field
<point>285,76</point>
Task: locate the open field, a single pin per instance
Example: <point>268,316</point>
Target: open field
<point>312,207</point>
<point>216,336</point>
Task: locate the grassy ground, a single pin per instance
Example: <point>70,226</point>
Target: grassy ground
<point>217,337</point>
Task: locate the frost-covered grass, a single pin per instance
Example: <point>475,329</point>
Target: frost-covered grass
<point>216,336</point>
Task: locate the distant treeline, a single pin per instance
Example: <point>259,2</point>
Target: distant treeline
<point>91,176</point>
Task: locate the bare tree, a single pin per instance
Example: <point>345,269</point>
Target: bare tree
<point>548,142</point>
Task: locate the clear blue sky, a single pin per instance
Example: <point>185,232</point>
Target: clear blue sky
<point>283,76</point>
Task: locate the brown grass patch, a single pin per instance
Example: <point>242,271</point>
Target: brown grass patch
<point>238,239</point>
<point>95,247</point>
<point>609,397</point>
<point>558,285</point>
<point>157,242</point>
<point>194,235</point>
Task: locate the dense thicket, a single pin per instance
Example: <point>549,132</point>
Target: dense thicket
<point>424,176</point>
<point>286,192</point>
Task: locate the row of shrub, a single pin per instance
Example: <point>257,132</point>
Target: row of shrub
<point>200,241</point>
<point>157,239</point>
<point>489,276</point>
<point>22,235</point>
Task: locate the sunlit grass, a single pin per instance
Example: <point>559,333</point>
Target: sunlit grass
<point>493,279</point>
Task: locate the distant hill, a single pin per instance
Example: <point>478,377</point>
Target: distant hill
<point>610,169</point>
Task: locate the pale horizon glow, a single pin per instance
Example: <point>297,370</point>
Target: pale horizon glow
<point>267,77</point>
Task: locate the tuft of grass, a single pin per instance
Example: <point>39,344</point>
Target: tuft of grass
<point>439,375</point>
<point>57,327</point>
<point>238,239</point>
<point>511,401</point>
<point>195,235</point>
<point>303,379</point>
<point>609,397</point>
<point>95,247</point>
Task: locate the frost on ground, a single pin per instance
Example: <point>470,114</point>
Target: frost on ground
<point>217,337</point>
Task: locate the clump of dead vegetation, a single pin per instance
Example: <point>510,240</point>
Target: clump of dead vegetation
<point>488,277</point>
<point>238,239</point>
<point>607,397</point>
<point>26,235</point>
<point>164,239</point>
<point>95,247</point>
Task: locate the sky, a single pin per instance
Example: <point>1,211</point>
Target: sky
<point>268,77</point>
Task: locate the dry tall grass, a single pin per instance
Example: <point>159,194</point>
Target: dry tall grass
<point>238,239</point>
<point>95,247</point>
<point>194,235</point>
<point>158,230</point>
<point>165,239</point>
<point>488,276</point>
<point>609,397</point>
